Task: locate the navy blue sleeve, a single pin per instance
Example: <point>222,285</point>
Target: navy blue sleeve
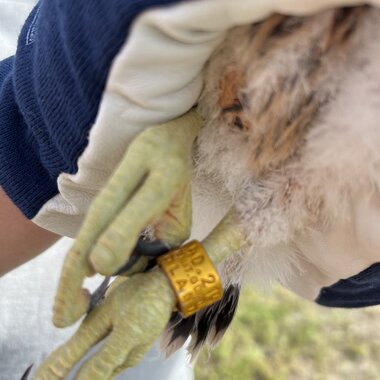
<point>51,90</point>
<point>361,290</point>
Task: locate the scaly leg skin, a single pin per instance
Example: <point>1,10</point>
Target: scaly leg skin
<point>134,314</point>
<point>226,239</point>
<point>93,329</point>
<point>150,186</point>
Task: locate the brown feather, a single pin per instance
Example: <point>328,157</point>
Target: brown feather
<point>277,120</point>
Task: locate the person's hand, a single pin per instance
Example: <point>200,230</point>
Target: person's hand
<point>133,315</point>
<point>151,186</point>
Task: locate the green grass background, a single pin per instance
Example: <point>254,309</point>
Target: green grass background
<point>281,337</point>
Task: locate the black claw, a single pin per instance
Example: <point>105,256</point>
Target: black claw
<point>130,263</point>
<point>26,373</point>
<point>151,249</point>
<point>99,294</point>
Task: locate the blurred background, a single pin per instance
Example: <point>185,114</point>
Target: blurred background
<point>282,337</point>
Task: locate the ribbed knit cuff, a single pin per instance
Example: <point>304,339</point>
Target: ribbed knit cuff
<point>22,175</point>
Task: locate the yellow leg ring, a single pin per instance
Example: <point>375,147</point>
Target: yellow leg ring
<point>193,277</point>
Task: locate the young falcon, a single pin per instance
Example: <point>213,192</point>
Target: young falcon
<point>290,111</point>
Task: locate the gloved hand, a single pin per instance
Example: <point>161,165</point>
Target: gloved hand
<point>151,186</point>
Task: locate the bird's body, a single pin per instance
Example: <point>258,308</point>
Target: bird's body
<point>292,111</point>
<point>299,117</point>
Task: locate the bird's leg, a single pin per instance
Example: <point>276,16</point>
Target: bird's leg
<point>226,239</point>
<point>151,186</point>
<point>134,313</point>
<point>94,328</point>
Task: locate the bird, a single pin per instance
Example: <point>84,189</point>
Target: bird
<point>291,139</point>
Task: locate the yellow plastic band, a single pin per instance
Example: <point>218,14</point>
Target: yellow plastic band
<point>193,277</point>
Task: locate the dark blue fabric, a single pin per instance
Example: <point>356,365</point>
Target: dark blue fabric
<point>358,291</point>
<point>51,90</point>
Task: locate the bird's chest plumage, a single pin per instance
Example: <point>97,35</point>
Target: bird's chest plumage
<point>291,108</point>
<point>291,140</point>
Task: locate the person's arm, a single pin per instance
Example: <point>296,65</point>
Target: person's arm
<point>49,97</point>
<point>20,239</point>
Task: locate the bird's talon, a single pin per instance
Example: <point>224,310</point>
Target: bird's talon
<point>64,316</point>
